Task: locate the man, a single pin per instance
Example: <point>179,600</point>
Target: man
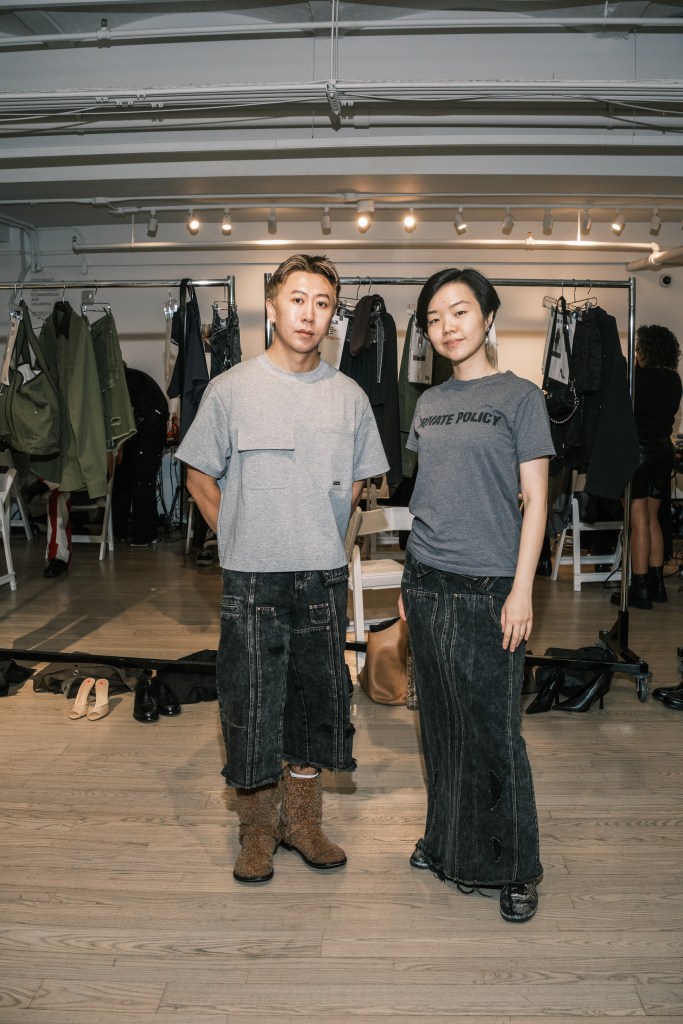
<point>277,457</point>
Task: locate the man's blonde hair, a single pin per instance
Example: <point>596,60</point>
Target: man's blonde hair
<point>309,265</point>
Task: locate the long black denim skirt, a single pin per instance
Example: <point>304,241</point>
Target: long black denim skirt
<point>481,827</point>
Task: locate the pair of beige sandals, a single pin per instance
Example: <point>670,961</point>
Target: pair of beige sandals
<point>83,707</point>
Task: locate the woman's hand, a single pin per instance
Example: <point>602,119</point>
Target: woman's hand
<point>516,619</point>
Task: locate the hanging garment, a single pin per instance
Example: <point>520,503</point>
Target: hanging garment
<point>119,420</point>
<point>374,366</point>
<point>601,439</point>
<point>190,373</point>
<point>224,339</point>
<point>81,463</point>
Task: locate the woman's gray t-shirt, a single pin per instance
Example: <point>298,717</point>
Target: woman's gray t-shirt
<point>470,438</point>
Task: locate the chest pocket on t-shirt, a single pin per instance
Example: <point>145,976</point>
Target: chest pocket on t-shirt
<point>266,456</point>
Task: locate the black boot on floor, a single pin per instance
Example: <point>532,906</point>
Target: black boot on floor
<point>655,583</point>
<point>668,691</point>
<point>145,706</point>
<point>638,592</point>
<point>166,700</point>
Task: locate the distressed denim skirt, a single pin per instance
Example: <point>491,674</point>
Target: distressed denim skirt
<point>481,827</point>
<point>281,677</point>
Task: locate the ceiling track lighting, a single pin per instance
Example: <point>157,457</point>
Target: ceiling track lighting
<point>364,211</point>
<point>409,221</point>
<point>193,224</point>
<point>459,222</point>
<point>547,222</point>
<point>226,226</point>
<point>152,224</point>
<point>508,222</point>
<point>325,222</point>
<point>272,222</point>
<point>656,222</point>
<point>618,223</point>
<point>586,221</point>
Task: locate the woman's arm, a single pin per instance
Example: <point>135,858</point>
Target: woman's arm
<point>517,615</point>
<point>207,495</point>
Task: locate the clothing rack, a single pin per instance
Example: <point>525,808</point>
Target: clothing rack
<point>614,639</point>
<point>221,282</point>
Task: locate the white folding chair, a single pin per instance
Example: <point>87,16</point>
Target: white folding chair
<point>375,573</point>
<point>7,481</point>
<point>577,559</point>
<point>105,538</point>
<point>16,500</point>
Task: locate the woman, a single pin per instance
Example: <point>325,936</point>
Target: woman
<point>482,438</point>
<point>656,400</point>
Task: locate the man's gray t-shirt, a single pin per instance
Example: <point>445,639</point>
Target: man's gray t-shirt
<point>470,437</point>
<point>285,449</point>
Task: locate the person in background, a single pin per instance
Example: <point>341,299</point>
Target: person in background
<point>657,396</point>
<point>482,438</point>
<point>277,456</point>
<point>134,494</point>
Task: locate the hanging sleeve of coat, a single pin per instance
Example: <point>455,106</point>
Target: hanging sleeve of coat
<point>82,462</point>
<point>190,373</point>
<point>119,419</point>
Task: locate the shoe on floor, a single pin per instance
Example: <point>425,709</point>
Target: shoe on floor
<point>55,567</point>
<point>205,557</point>
<point>518,903</point>
<point>418,859</point>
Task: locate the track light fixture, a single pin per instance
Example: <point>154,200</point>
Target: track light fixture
<point>656,222</point>
<point>459,222</point>
<point>586,221</point>
<point>508,222</point>
<point>325,223</point>
<point>152,224</point>
<point>226,226</point>
<point>409,221</point>
<point>193,224</point>
<point>365,209</point>
<point>618,223</point>
<point>547,222</point>
<point>272,222</point>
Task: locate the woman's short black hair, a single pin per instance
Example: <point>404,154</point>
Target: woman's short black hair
<point>480,286</point>
<point>657,346</point>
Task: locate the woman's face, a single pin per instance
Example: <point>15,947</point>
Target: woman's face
<point>457,329</point>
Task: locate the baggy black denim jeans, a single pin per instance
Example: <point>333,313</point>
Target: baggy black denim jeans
<point>481,827</point>
<point>281,677</point>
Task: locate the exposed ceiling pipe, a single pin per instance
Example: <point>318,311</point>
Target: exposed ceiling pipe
<point>261,30</point>
<point>529,243</point>
<point>658,258</point>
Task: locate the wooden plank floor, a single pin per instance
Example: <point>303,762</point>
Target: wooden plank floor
<point>117,902</point>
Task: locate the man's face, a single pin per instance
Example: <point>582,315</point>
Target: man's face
<point>301,311</point>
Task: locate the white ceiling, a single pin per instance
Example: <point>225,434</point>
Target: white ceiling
<point>109,108</point>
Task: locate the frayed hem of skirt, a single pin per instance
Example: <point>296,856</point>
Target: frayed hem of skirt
<point>467,883</point>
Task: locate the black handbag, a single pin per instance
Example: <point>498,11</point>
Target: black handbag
<point>561,398</point>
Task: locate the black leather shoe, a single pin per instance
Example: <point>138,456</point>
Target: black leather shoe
<point>55,567</point>
<point>518,903</point>
<point>674,701</point>
<point>418,859</point>
<point>666,691</point>
<point>166,700</point>
<point>145,706</point>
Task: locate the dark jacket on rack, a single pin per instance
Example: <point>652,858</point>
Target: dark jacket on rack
<point>374,366</point>
<point>602,440</point>
<point>119,421</point>
<point>82,460</point>
<point>190,373</point>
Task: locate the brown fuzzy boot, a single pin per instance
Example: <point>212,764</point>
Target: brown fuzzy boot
<point>258,811</point>
<point>301,822</point>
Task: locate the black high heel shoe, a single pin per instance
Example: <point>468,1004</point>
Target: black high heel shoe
<point>587,696</point>
<point>549,693</point>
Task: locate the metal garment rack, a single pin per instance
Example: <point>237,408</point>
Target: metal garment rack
<point>77,658</point>
<point>614,639</point>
